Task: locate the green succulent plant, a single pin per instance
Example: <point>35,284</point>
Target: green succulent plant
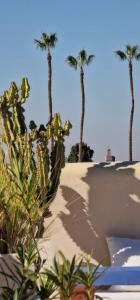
<point>28,277</point>
<point>64,274</point>
<point>88,276</point>
<point>29,175</point>
<point>67,275</point>
<point>35,282</point>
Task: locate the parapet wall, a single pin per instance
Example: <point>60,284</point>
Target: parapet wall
<point>95,200</point>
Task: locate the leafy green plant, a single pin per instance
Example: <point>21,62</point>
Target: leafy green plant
<point>28,276</point>
<point>64,274</point>
<point>87,153</point>
<point>88,276</point>
<point>21,210</point>
<point>32,281</point>
<point>67,275</point>
<point>29,175</point>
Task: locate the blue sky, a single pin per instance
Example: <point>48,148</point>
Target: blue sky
<point>100,27</point>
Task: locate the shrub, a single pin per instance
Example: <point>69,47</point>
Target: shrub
<point>66,279</point>
<point>87,153</point>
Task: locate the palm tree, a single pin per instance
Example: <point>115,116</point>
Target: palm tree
<point>130,53</point>
<point>46,43</point>
<point>80,61</point>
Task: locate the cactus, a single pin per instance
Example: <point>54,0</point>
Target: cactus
<point>29,147</point>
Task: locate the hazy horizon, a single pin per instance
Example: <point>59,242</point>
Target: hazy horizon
<point>100,27</point>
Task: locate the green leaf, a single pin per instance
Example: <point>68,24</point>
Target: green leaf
<point>53,277</point>
<point>72,266</point>
<point>40,45</point>
<point>138,56</point>
<point>53,40</point>
<point>71,60</point>
<point>90,59</point>
<point>16,296</point>
<point>46,41</point>
<point>82,57</point>
<point>121,55</point>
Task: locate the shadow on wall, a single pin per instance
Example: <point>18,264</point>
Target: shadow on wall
<point>112,208</point>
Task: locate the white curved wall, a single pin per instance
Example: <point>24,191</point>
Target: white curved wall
<point>95,200</point>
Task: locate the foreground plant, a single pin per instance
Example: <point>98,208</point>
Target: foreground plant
<point>63,274</point>
<point>72,280</point>
<point>29,176</point>
<point>130,53</point>
<point>87,277</point>
<point>30,280</point>
<point>28,277</point>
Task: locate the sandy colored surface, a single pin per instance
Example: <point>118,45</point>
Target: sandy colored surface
<point>95,200</point>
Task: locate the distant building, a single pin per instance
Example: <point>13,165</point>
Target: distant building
<point>109,157</point>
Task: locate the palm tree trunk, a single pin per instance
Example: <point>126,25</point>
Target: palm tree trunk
<point>132,110</point>
<point>82,114</point>
<point>50,91</point>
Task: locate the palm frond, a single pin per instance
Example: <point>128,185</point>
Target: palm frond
<point>120,54</point>
<point>46,41</point>
<point>49,40</point>
<point>135,50</point>
<point>90,59</point>
<point>137,57</point>
<point>40,44</point>
<point>131,51</point>
<point>72,61</point>
<point>53,40</point>
<point>44,36</point>
<point>128,48</point>
<point>82,57</point>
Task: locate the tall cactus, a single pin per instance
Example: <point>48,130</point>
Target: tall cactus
<point>27,148</point>
<point>58,154</point>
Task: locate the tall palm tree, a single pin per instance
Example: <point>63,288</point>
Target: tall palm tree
<point>130,53</point>
<point>80,61</point>
<point>46,43</point>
